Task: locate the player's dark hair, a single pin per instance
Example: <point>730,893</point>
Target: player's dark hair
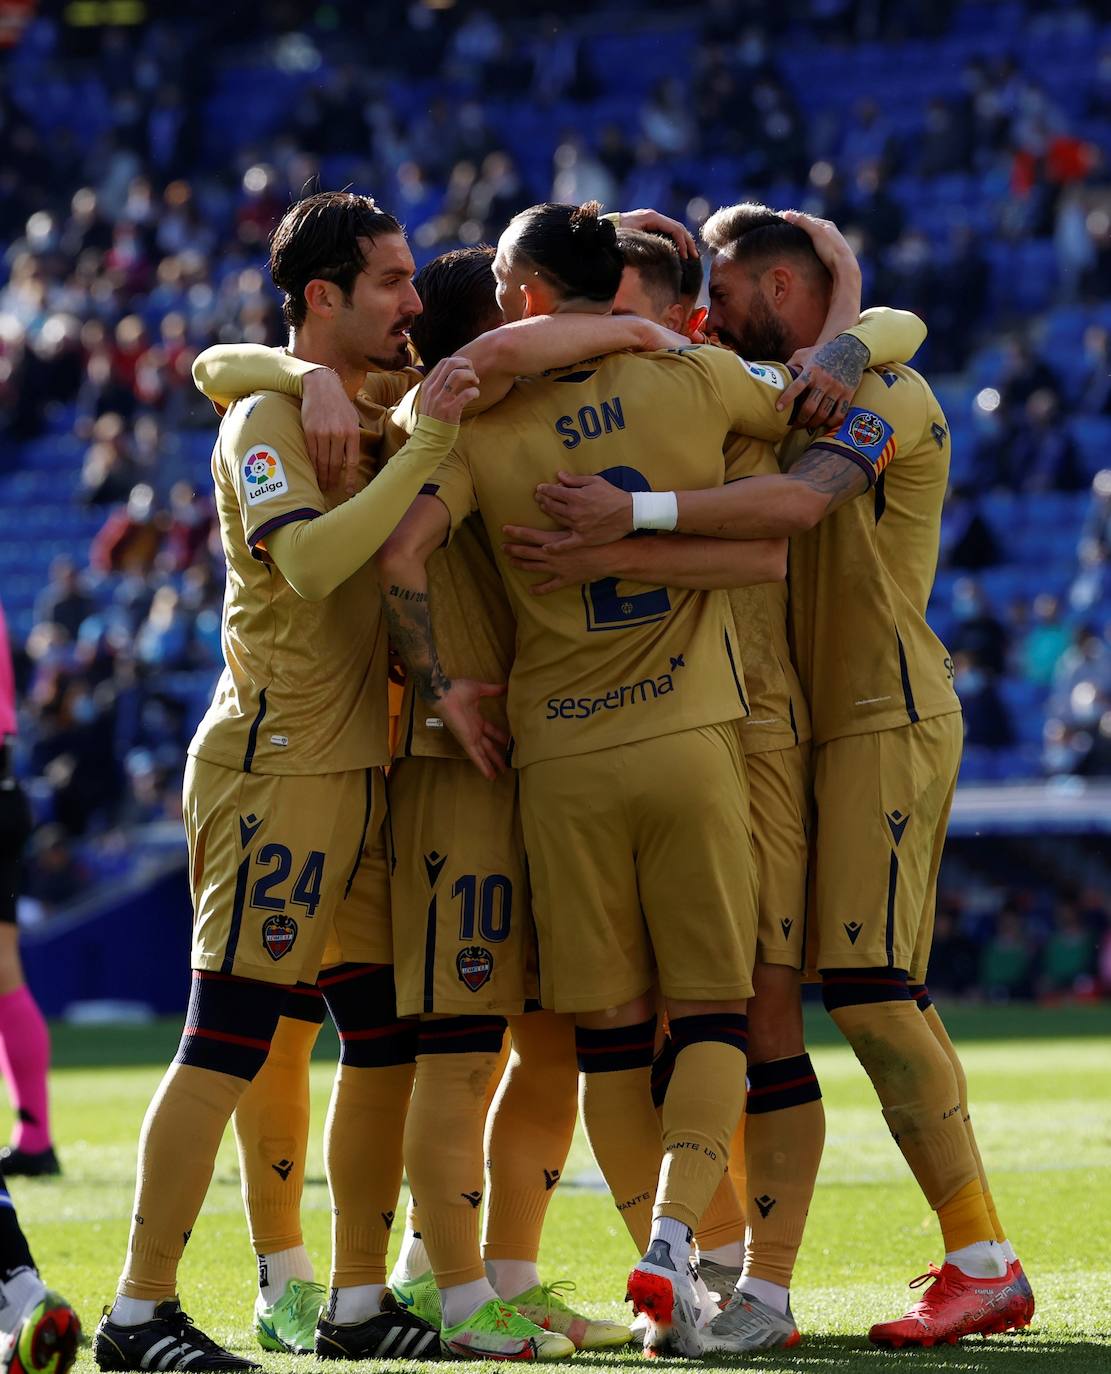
<point>690,279</point>
<point>573,247</point>
<point>458,292</point>
<point>656,260</point>
<point>758,237</point>
<point>324,236</point>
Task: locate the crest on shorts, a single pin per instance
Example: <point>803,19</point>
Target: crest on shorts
<point>278,936</point>
<point>474,965</point>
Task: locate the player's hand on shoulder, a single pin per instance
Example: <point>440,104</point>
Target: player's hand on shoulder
<point>331,425</point>
<point>827,382</point>
<point>594,510</point>
<point>555,555</point>
<point>652,222</point>
<point>448,389</point>
<point>459,707</point>
<point>829,243</point>
<point>656,337</point>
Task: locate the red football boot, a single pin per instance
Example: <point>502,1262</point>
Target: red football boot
<point>953,1306</point>
<point>1020,1313</point>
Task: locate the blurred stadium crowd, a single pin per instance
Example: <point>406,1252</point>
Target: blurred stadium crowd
<point>962,146</point>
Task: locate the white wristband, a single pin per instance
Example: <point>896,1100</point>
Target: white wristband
<point>655,510</point>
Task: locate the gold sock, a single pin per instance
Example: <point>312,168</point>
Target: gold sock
<point>941,1035</point>
<point>443,1157</point>
<point>615,1102</point>
<point>917,1089</point>
<point>784,1134</point>
<point>723,1222</point>
<point>963,1217</point>
<point>177,1150</point>
<point>700,1113</point>
<point>528,1133</point>
<point>272,1134</point>
<point>362,1157</point>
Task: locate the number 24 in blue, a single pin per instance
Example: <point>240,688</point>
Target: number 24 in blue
<point>306,890</point>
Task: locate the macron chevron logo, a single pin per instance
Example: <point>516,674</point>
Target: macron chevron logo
<point>897,823</point>
<point>248,829</point>
<point>434,866</point>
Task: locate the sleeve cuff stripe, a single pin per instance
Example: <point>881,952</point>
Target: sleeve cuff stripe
<point>867,468</point>
<point>430,489</point>
<point>286,518</point>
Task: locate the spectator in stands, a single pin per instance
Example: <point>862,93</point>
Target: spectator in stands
<point>1097,522</point>
<point>1096,395</point>
<point>967,540</point>
<point>130,538</point>
<point>1023,373</point>
<point>1068,960</point>
<point>1091,588</point>
<point>1042,454</point>
<point>1006,960</point>
<point>954,956</point>
<point>1046,641</point>
<point>63,601</point>
<point>980,633</point>
<point>54,877</point>
<point>162,643</point>
<point>987,721</point>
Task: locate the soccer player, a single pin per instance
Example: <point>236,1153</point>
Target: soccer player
<point>39,1331</point>
<point>863,503</point>
<point>272,1116</point>
<point>284,800</point>
<point>784,1133</point>
<point>24,1039</point>
<point>624,707</point>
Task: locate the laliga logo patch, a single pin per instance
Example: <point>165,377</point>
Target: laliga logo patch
<point>263,474</point>
<point>474,965</point>
<point>766,375</point>
<point>279,933</point>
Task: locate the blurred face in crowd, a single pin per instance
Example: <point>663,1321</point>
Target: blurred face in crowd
<point>369,326</point>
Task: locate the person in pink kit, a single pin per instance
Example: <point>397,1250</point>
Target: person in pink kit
<point>24,1040</point>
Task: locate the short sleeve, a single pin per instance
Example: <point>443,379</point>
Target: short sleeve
<point>453,485</point>
<point>887,414</point>
<point>748,391</point>
<point>267,465</point>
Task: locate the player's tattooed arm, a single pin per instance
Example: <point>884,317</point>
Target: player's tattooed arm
<point>403,578</point>
<point>829,378</point>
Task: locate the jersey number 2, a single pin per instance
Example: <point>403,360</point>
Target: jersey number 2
<point>605,608</point>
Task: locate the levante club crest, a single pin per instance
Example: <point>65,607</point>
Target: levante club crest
<point>475,965</point>
<point>278,936</point>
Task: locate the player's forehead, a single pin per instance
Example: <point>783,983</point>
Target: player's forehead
<point>388,256</point>
<point>725,274</point>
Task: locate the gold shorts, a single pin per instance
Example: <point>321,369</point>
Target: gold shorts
<point>882,806</point>
<point>779,797</point>
<point>285,872</point>
<point>642,861</point>
<point>463,936</point>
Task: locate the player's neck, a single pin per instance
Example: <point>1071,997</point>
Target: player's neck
<point>305,345</point>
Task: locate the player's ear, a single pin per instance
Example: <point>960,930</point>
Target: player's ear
<point>777,283</point>
<point>539,299</point>
<point>675,317</point>
<point>320,297</point>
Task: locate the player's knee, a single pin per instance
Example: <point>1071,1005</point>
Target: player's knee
<point>230,1024</point>
<point>724,1027</point>
<point>461,1035</point>
<point>774,1014</point>
<point>615,1048</point>
<point>856,987</point>
<point>363,1005</point>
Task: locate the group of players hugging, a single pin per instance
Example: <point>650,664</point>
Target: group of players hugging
<point>640,788</point>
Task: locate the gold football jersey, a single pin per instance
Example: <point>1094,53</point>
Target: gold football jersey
<point>860,580</point>
<point>778,714</point>
<point>304,687</point>
<point>613,662</point>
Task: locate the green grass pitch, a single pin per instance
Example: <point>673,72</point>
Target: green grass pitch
<point>1041,1093</point>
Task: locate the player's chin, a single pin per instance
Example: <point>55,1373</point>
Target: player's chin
<point>394,353</point>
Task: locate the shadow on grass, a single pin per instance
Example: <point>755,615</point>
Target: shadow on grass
<point>998,1355</point>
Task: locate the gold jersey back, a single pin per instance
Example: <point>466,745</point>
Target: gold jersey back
<point>613,662</point>
<point>860,580</point>
<point>304,686</point>
<point>778,714</point>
